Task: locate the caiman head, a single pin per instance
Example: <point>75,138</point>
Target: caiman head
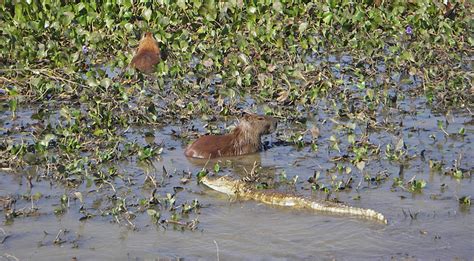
<point>222,184</point>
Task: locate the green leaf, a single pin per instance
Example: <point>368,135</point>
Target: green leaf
<point>19,12</point>
<point>216,167</point>
<point>47,139</point>
<point>128,27</point>
<point>327,17</point>
<point>302,27</point>
<point>407,56</point>
<point>147,14</point>
<point>106,82</point>
<point>181,4</point>
<point>151,212</point>
<point>92,82</point>
<point>201,174</point>
<point>13,105</point>
<point>67,18</point>
<point>98,132</point>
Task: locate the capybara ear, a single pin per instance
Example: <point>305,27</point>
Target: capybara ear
<point>246,115</point>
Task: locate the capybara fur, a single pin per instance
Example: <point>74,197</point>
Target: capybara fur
<point>244,139</point>
<point>148,54</point>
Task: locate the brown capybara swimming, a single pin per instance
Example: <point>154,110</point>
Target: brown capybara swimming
<point>244,139</point>
<point>148,54</point>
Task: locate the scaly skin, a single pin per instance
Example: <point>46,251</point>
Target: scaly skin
<point>243,190</point>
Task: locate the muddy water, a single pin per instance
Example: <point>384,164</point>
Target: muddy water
<point>233,230</point>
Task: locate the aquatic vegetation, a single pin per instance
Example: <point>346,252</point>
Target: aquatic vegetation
<point>363,93</point>
<point>465,200</point>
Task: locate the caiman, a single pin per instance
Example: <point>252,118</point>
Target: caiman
<point>244,190</point>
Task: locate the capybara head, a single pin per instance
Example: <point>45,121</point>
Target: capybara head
<point>148,35</point>
<point>259,124</point>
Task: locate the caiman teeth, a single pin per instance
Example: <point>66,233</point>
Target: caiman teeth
<point>243,190</point>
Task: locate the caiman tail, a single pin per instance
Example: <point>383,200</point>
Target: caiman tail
<point>244,190</point>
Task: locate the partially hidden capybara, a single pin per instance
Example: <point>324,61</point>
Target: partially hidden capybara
<point>244,139</point>
<point>148,54</point>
